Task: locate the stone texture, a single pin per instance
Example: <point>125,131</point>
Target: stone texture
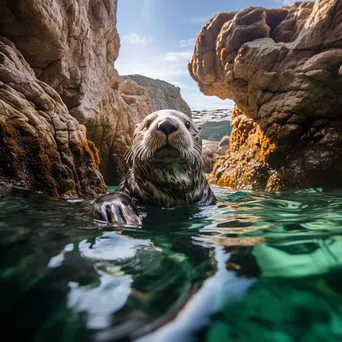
<point>211,150</point>
<point>282,67</point>
<point>42,147</point>
<point>72,46</point>
<point>215,123</point>
<point>164,95</point>
<point>137,99</point>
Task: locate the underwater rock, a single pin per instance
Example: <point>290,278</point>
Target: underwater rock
<point>282,67</point>
<point>42,147</point>
<point>71,45</point>
<point>164,95</point>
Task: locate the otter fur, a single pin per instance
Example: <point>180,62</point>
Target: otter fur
<point>166,170</point>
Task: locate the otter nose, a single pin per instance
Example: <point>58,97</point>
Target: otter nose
<point>167,126</point>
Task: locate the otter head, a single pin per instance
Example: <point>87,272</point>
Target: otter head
<point>167,138</point>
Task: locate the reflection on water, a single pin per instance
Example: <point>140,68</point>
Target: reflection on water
<point>215,291</point>
<point>255,267</point>
<point>113,288</point>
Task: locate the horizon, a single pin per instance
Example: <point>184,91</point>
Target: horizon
<point>152,46</point>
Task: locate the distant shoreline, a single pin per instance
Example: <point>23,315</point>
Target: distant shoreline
<point>211,109</point>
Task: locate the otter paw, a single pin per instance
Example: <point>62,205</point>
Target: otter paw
<point>116,209</point>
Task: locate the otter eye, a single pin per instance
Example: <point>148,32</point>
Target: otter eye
<point>148,123</point>
<point>149,119</point>
<point>187,124</point>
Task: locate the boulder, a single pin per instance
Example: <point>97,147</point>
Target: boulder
<point>282,67</point>
<point>164,95</point>
<point>215,123</point>
<point>71,45</point>
<point>42,147</point>
<point>211,150</point>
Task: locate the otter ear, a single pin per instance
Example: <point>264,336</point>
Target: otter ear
<point>136,125</point>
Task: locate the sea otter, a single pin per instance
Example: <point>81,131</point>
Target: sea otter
<point>165,171</point>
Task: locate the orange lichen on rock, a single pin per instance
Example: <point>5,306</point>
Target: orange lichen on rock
<point>245,165</point>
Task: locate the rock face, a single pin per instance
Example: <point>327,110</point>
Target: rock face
<point>164,95</point>
<point>71,46</point>
<point>215,123</point>
<point>211,150</point>
<point>137,99</point>
<point>42,147</point>
<point>283,69</point>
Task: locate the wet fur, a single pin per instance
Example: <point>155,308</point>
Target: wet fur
<point>171,178</point>
<point>170,184</point>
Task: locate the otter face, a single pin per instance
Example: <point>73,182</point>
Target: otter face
<point>167,137</point>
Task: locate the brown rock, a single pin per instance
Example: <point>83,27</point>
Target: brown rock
<point>211,150</point>
<point>137,98</point>
<point>42,147</point>
<point>282,67</point>
<point>72,46</point>
<point>163,95</point>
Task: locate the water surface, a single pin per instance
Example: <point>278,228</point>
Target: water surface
<point>255,267</point>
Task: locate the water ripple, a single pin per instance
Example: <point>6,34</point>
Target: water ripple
<point>190,274</point>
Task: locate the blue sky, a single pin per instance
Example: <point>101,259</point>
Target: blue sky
<point>157,40</point>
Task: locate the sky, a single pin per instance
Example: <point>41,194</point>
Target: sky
<point>158,37</point>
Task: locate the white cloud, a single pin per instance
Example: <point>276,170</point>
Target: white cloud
<point>155,66</point>
<point>136,56</point>
<point>135,39</point>
<point>178,56</point>
<point>187,43</point>
<point>170,67</point>
<point>151,64</point>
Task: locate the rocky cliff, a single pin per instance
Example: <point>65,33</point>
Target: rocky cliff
<point>215,123</point>
<point>211,150</point>
<point>164,95</point>
<point>71,45</point>
<point>42,147</point>
<point>283,69</point>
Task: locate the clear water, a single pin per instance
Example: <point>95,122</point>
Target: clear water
<point>255,267</point>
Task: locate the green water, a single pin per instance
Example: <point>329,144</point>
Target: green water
<point>255,267</point>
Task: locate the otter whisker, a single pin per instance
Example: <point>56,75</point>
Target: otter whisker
<point>186,141</point>
<point>128,156</point>
<point>139,151</point>
<point>168,181</point>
